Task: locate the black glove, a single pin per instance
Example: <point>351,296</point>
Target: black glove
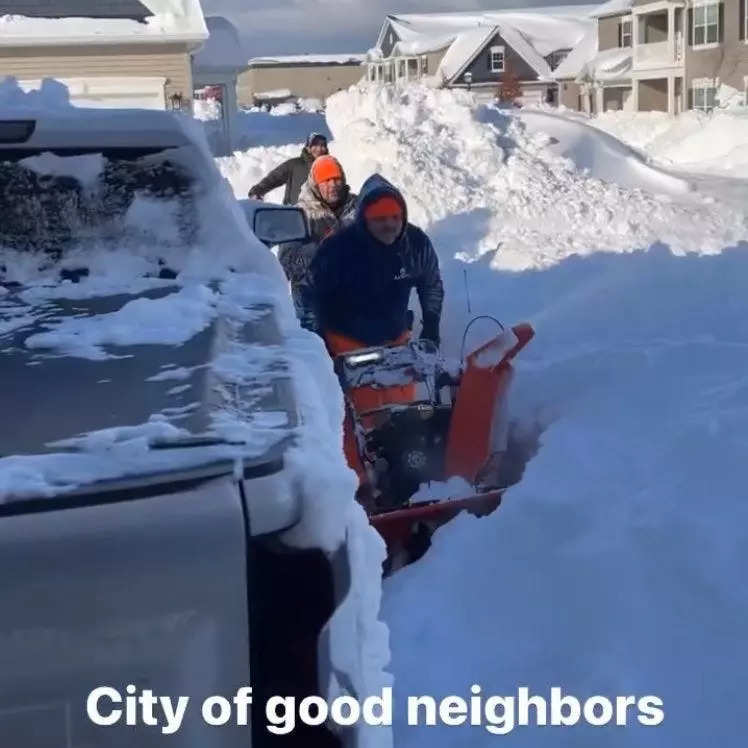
<point>253,195</point>
<point>430,330</point>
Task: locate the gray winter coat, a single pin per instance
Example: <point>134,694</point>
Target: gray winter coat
<point>293,173</point>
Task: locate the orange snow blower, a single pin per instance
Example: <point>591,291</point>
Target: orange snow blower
<point>411,422</point>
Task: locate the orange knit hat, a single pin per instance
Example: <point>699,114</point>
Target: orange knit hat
<point>326,167</point>
<point>385,207</point>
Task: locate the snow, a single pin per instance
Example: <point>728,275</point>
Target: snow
<point>279,93</point>
<point>171,20</point>
<point>545,29</point>
<point>614,566</point>
<point>462,49</point>
<point>609,65</point>
<point>492,186</point>
<point>223,50</point>
<point>339,59</point>
<point>612,8</point>
<point>579,56</point>
<point>452,489</point>
<point>86,167</point>
<point>171,320</point>
<point>694,141</point>
<point>422,46</point>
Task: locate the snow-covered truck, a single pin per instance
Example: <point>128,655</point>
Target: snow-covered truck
<point>145,495</point>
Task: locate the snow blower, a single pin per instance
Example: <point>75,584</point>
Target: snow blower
<point>411,422</point>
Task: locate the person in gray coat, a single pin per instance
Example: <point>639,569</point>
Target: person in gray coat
<point>292,173</point>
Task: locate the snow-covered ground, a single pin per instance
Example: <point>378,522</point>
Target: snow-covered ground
<point>614,567</point>
<point>715,143</point>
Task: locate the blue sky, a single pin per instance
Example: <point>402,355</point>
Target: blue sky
<point>327,26</point>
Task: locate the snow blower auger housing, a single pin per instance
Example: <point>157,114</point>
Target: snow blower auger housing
<point>411,421</point>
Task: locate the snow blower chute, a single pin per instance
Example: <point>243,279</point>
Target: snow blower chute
<point>411,422</point>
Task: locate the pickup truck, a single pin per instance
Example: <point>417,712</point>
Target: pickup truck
<point>141,538</point>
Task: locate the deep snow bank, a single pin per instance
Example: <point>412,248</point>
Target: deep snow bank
<point>490,183</point>
<point>613,568</point>
<point>716,142</point>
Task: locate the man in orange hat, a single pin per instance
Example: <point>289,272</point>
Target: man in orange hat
<point>361,278</point>
<point>328,204</point>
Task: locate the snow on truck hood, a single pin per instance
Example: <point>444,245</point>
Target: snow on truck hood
<point>97,388</point>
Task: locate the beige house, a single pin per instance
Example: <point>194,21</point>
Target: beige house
<point>665,55</point>
<point>272,79</point>
<point>110,53</point>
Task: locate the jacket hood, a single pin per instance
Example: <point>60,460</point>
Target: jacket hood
<point>374,187</point>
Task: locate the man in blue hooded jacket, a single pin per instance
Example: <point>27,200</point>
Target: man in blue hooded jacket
<point>361,278</point>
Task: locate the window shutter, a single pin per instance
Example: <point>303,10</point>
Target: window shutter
<point>690,98</point>
<point>743,4</point>
<point>620,33</point>
<point>690,27</point>
<point>721,23</point>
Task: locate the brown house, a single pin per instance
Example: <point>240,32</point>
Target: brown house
<point>109,52</point>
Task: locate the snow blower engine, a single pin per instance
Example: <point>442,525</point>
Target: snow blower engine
<point>412,421</point>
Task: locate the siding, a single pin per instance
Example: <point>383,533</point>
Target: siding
<point>307,81</point>
<point>171,61</point>
<point>607,33</point>
<point>482,72</point>
<point>729,61</point>
<point>569,93</point>
<point>390,40</point>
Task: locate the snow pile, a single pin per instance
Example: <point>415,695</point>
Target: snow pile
<point>489,188</point>
<point>618,551</point>
<point>207,110</point>
<point>614,566</point>
<point>353,59</point>
<point>716,142</point>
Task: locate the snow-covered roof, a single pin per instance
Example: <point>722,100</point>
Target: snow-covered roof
<point>354,59</point>
<point>579,56</point>
<point>223,50</point>
<point>612,8</point>
<point>532,32</point>
<point>609,65</point>
<point>164,20</point>
<point>464,48</point>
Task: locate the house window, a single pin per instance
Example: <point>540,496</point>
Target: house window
<point>496,59</point>
<point>625,32</point>
<point>704,97</point>
<point>705,24</point>
<point>425,64</point>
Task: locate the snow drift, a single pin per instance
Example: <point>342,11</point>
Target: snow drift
<point>613,567</point>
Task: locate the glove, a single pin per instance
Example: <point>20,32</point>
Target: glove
<point>430,330</point>
<point>254,195</point>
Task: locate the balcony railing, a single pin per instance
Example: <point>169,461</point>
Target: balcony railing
<point>659,54</point>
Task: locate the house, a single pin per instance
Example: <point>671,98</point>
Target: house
<point>215,70</point>
<point>298,77</point>
<point>684,54</point>
<point>596,76</point>
<point>110,53</point>
<point>480,50</point>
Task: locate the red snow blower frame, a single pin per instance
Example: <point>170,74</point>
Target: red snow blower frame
<point>410,422</point>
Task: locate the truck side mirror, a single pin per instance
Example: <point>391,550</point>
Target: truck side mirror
<point>280,225</point>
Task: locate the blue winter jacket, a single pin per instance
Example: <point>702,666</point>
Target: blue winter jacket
<point>361,288</point>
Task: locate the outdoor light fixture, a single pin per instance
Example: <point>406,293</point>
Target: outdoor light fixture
<point>469,79</point>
